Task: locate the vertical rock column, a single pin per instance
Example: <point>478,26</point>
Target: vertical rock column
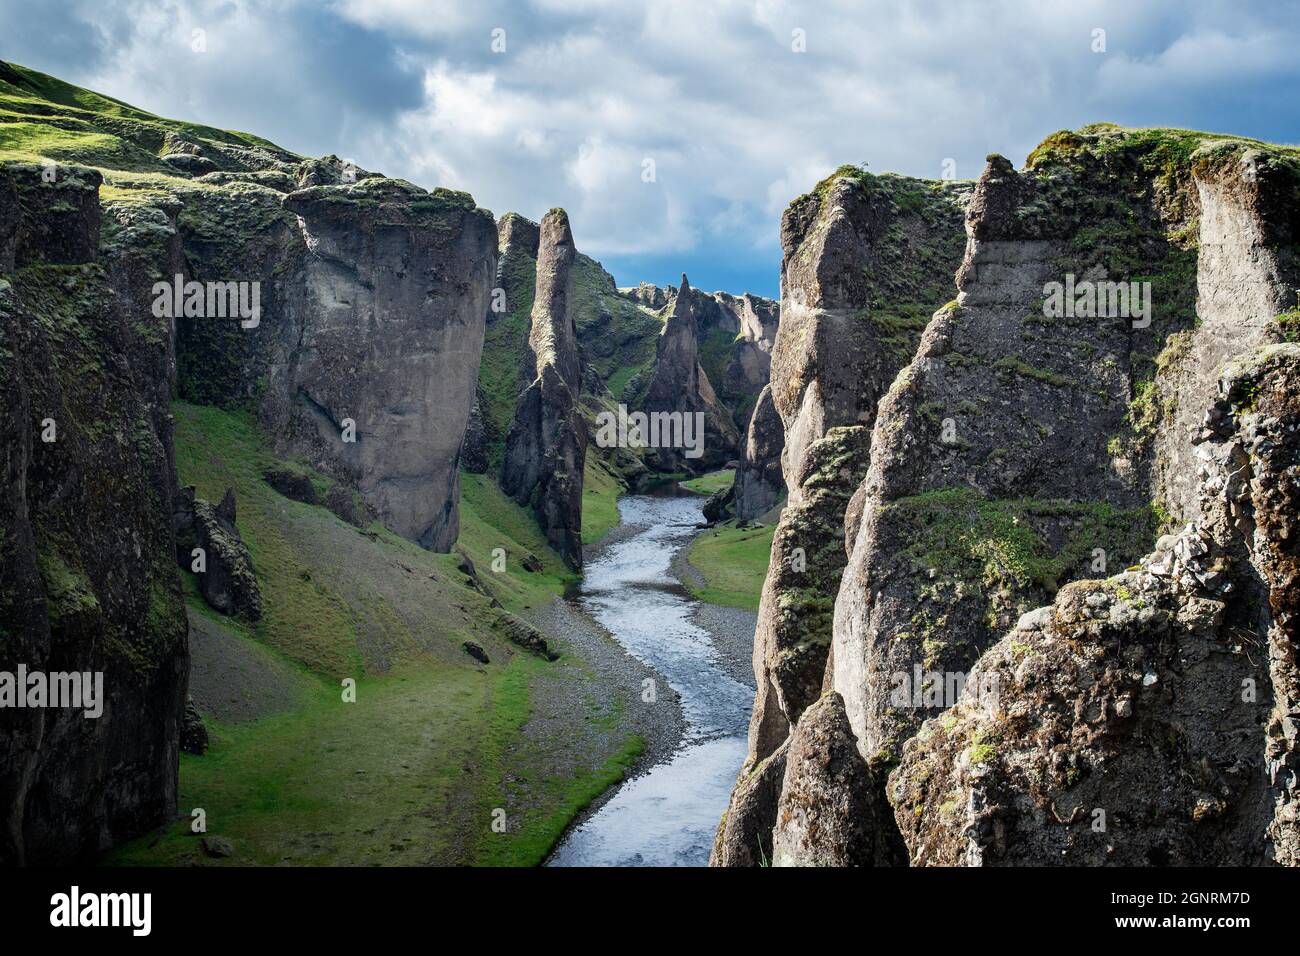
<point>861,274</point>
<point>546,446</point>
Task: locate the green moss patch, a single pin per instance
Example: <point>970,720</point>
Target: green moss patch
<point>1022,542</point>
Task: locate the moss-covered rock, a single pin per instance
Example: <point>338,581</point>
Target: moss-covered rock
<point>86,551</point>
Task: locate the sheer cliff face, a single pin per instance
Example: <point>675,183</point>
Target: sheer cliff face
<point>373,302</point>
<point>1023,448</point>
<point>1247,273</point>
<point>867,260</point>
<point>395,294</point>
<point>86,557</point>
<point>547,443</point>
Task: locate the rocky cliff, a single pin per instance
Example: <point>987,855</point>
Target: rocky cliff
<point>759,484</point>
<point>680,385</point>
<point>547,443</point>
<point>864,266</point>
<point>1030,443</point>
<point>395,294</point>
<point>343,310</point>
<point>1179,669</point>
<point>365,354</point>
<point>90,585</point>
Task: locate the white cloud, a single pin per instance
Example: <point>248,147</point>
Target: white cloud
<point>737,122</point>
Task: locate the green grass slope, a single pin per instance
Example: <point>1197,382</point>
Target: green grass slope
<point>42,117</point>
<point>412,772</point>
<point>733,563</point>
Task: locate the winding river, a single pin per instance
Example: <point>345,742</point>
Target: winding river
<point>667,816</point>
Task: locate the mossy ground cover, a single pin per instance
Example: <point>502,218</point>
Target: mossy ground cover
<point>713,481</point>
<point>733,562</point>
<point>1288,325</point>
<point>600,491</point>
<point>504,345</point>
<point>411,772</point>
<point>490,520</point>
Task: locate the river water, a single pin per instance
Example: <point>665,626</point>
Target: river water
<point>667,816</point>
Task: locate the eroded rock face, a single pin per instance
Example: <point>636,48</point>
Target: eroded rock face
<point>826,815</point>
<point>1246,273</point>
<point>373,296</point>
<point>680,385</point>
<point>1124,721</point>
<point>1004,459</point>
<point>546,446</point>
<point>396,294</point>
<point>759,482</point>
<point>88,581</point>
<point>744,836</point>
<point>58,215</point>
<point>862,272</point>
<point>735,335</point>
<point>1023,447</point>
<point>858,286</point>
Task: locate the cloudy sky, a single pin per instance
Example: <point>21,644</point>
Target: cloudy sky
<point>734,107</point>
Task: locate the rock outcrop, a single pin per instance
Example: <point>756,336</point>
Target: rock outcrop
<point>744,837</point>
<point>826,814</point>
<point>1149,718</point>
<point>88,580</point>
<point>857,282</point>
<point>680,387</point>
<point>372,295</point>
<point>1009,458</point>
<point>735,336</point>
<point>863,268</point>
<point>379,387</point>
<point>759,483</point>
<point>546,446</point>
<point>208,543</point>
<point>616,345</point>
<point>1032,441</point>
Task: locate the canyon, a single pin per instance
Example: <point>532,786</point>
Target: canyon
<point>1084,524</point>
